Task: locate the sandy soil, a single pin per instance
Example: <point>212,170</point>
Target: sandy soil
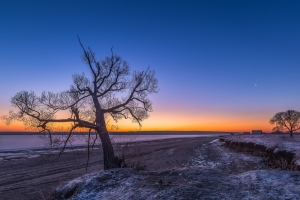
<point>37,178</point>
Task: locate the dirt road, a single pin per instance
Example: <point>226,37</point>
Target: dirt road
<point>37,178</point>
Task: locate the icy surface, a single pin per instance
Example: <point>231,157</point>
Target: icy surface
<point>278,142</point>
<point>214,155</point>
<point>22,154</point>
<point>10,144</point>
<point>214,172</point>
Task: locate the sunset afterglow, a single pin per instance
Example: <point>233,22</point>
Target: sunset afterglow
<point>170,121</point>
<point>221,66</point>
<point>149,99</point>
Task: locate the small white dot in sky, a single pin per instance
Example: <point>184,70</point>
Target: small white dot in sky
<point>255,84</point>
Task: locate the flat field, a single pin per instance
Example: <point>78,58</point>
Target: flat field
<point>185,168</point>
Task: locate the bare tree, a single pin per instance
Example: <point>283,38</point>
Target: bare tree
<point>289,120</point>
<point>110,90</point>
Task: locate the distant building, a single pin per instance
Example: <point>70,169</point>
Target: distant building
<point>246,133</point>
<point>256,131</point>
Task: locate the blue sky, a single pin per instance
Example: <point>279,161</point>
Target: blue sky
<point>208,55</point>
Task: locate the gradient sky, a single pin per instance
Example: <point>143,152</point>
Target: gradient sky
<point>208,56</point>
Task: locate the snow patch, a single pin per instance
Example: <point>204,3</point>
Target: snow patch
<point>214,141</point>
<point>209,175</point>
<point>22,154</point>
<point>194,183</point>
<point>278,142</point>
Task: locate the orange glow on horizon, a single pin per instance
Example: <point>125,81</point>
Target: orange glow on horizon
<point>159,121</point>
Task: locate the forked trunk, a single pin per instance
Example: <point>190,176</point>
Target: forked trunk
<point>108,151</point>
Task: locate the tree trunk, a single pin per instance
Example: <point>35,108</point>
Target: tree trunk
<point>291,133</point>
<point>108,151</point>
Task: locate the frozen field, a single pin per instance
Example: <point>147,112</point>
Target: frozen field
<point>214,172</point>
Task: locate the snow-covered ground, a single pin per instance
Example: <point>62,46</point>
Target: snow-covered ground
<point>280,141</point>
<point>33,153</point>
<point>275,142</point>
<point>215,172</point>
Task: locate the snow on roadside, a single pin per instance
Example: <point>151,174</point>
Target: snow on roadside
<point>214,155</point>
<point>275,142</point>
<point>271,141</point>
<point>188,183</point>
<point>22,154</point>
<point>277,184</point>
<point>215,172</point>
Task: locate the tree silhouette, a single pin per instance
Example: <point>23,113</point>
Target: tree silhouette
<point>289,120</point>
<point>111,90</point>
